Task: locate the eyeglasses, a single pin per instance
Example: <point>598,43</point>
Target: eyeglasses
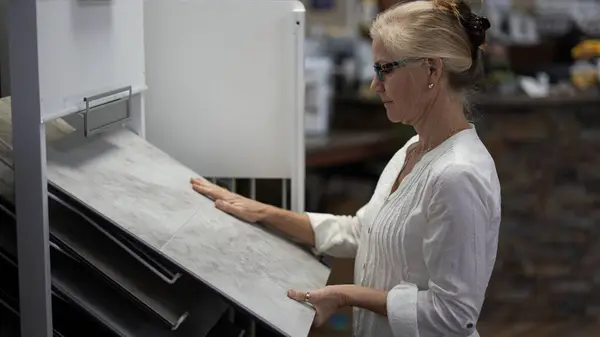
<point>386,68</point>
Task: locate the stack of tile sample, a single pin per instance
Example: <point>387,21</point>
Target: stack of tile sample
<point>144,255</point>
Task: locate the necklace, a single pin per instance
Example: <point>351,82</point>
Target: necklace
<point>407,159</point>
<point>434,145</point>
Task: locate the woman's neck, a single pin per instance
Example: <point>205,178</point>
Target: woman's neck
<point>440,122</point>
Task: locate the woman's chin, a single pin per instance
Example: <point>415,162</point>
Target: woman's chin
<point>395,118</point>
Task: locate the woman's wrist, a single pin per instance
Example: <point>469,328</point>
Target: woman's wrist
<point>345,294</point>
<point>366,298</point>
<point>268,214</point>
<point>296,225</point>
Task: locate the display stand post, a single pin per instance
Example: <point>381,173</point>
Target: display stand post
<point>29,143</point>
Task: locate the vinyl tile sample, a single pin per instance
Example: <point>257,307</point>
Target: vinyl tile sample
<point>251,267</point>
<point>127,180</point>
<point>146,192</point>
<point>152,259</point>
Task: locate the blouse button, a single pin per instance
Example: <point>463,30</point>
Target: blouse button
<point>369,231</point>
<point>470,325</point>
<point>364,265</point>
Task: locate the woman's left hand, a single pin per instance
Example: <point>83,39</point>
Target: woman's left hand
<point>326,301</point>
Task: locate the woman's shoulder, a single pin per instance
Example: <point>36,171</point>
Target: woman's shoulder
<point>467,161</point>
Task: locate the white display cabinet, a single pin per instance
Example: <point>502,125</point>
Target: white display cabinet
<point>218,85</point>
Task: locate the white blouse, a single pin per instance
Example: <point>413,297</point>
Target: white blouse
<point>432,243</point>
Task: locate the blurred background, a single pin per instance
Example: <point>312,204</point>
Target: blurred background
<point>538,113</point>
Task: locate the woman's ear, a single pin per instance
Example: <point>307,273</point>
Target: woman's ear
<point>435,70</point>
<point>430,67</point>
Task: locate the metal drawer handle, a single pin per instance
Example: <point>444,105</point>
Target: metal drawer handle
<point>85,114</point>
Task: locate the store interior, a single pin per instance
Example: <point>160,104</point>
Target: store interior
<point>537,112</point>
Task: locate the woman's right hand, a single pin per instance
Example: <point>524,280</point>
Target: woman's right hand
<point>243,208</point>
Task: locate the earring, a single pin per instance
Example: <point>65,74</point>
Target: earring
<point>430,85</point>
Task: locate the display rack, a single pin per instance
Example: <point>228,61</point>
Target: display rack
<point>72,57</point>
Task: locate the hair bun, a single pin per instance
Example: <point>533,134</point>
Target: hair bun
<point>451,6</point>
<point>474,25</point>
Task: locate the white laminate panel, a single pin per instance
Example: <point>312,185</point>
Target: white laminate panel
<point>224,81</point>
<point>87,48</point>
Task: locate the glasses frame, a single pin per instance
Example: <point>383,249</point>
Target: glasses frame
<point>386,68</point>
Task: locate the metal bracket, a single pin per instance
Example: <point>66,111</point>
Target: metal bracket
<point>89,132</point>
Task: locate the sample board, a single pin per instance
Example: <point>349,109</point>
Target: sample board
<point>147,193</point>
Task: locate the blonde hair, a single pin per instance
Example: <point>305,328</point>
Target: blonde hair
<point>434,29</point>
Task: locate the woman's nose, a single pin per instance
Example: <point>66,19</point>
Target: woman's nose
<point>376,85</point>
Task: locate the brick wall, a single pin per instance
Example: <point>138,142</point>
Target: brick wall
<point>548,160</point>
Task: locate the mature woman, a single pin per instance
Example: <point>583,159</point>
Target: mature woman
<point>425,244</point>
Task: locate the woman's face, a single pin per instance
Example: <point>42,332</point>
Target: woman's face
<point>403,90</point>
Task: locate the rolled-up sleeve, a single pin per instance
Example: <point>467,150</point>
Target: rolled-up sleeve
<point>337,235</point>
<point>459,251</point>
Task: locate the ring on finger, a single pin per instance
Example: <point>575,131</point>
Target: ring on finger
<point>307,297</point>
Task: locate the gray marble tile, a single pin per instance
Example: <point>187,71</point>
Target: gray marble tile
<point>146,192</point>
<point>251,266</point>
<point>122,177</point>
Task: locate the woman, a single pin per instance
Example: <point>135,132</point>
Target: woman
<point>425,244</point>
